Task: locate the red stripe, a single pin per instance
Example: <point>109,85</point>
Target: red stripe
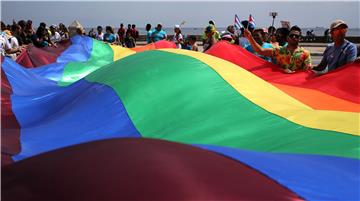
<point>10,129</point>
<point>34,57</point>
<point>136,169</point>
<point>342,83</point>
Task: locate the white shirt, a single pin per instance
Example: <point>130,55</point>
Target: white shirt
<point>4,44</point>
<point>176,40</point>
<point>100,36</point>
<point>55,38</point>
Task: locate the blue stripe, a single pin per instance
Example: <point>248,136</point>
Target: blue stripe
<point>79,51</point>
<point>48,113</point>
<point>79,113</point>
<point>313,177</point>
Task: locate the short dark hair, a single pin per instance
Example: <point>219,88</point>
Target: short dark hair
<point>148,26</point>
<point>295,28</point>
<point>284,31</point>
<point>271,29</point>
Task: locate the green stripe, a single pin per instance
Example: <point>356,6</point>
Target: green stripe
<point>179,98</point>
<point>101,55</point>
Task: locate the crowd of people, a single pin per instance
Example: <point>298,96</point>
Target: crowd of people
<point>280,46</point>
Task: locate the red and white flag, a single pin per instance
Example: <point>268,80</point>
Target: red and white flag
<point>251,20</point>
<point>237,23</point>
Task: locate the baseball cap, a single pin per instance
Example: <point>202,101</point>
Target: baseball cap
<point>338,23</point>
<point>226,35</point>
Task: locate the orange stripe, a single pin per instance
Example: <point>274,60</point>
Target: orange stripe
<point>317,99</point>
<point>150,46</point>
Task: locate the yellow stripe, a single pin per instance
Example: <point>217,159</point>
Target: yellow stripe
<point>276,101</point>
<point>121,52</point>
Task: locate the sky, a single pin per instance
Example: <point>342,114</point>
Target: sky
<point>194,13</point>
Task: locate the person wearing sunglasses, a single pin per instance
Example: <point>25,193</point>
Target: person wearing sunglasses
<point>338,53</point>
<point>290,57</point>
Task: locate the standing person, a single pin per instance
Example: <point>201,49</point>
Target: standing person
<point>128,31</point>
<point>178,37</point>
<point>129,40</point>
<point>63,31</point>
<point>158,34</point>
<point>281,35</point>
<point>121,33</point>
<point>272,37</point>
<point>235,37</point>
<point>326,35</point>
<point>16,31</point>
<point>29,31</point>
<point>210,38</point>
<point>134,32</point>
<point>290,57</point>
<point>243,41</point>
<point>338,53</point>
<point>109,35</point>
<point>192,42</point>
<point>14,44</point>
<point>55,36</point>
<point>99,34</point>
<point>148,33</point>
<point>216,33</point>
<point>259,36</point>
<point>21,33</point>
<point>92,33</point>
<point>5,47</point>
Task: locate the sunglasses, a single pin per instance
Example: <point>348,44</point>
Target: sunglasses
<point>294,36</point>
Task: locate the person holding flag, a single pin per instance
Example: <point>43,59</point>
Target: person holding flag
<point>291,57</point>
<point>243,41</point>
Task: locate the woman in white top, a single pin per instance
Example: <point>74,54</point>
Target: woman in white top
<point>178,37</point>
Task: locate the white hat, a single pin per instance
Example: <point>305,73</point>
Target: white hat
<point>177,26</point>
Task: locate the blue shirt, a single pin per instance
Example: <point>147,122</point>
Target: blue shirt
<point>148,37</point>
<point>243,42</point>
<point>265,45</point>
<point>158,35</point>
<point>335,57</point>
<point>109,38</point>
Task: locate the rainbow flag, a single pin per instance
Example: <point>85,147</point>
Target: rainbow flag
<point>284,137</point>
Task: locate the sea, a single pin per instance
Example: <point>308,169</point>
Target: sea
<point>318,31</point>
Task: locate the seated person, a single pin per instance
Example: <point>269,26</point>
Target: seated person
<point>290,57</point>
<point>338,53</point>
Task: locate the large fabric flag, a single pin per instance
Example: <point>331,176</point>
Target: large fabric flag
<point>107,123</point>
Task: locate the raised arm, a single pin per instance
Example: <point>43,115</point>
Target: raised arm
<point>263,51</point>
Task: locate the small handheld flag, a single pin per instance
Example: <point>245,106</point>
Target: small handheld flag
<point>237,23</point>
<point>251,21</point>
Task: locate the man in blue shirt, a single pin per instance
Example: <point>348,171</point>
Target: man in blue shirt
<point>338,53</point>
<point>158,34</point>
